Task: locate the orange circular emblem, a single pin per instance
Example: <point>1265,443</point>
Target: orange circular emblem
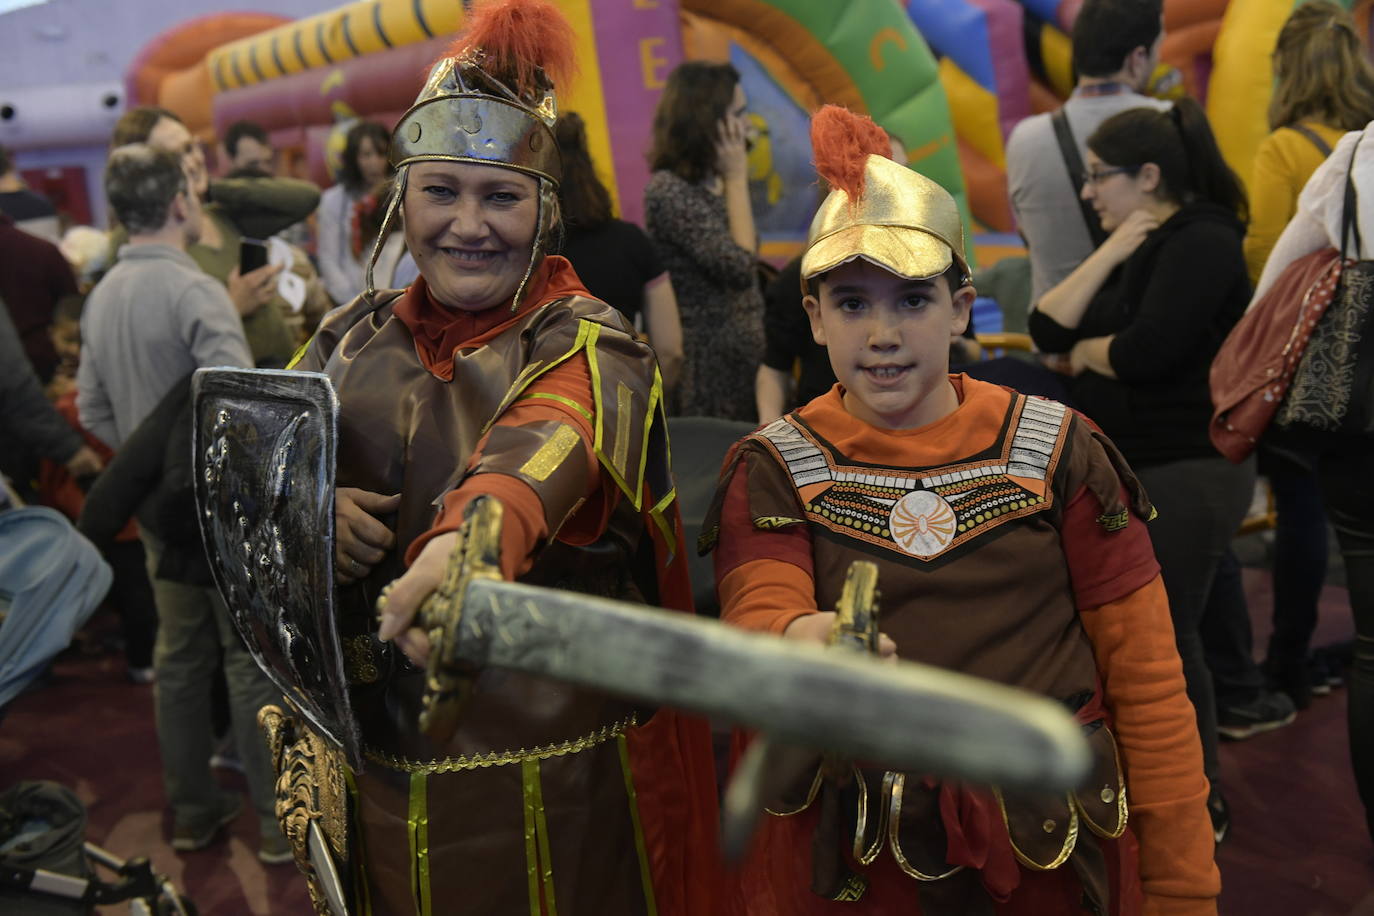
<point>922,523</point>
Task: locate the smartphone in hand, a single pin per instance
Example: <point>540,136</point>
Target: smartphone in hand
<point>252,255</point>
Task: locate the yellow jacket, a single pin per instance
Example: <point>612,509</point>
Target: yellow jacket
<point>1283,163</point>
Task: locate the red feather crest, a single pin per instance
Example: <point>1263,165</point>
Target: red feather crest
<point>842,141</point>
<point>520,37</point>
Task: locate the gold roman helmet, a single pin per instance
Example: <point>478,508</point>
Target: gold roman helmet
<point>492,102</point>
<point>877,209</point>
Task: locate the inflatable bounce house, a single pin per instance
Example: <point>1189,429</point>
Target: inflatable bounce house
<point>949,78</point>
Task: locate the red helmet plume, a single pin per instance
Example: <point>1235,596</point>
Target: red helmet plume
<point>520,37</point>
<point>842,141</point>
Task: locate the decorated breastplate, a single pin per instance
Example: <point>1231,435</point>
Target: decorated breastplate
<point>926,513</point>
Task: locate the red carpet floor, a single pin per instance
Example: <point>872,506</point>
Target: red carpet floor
<point>1298,846</point>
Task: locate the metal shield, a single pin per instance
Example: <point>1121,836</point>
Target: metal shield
<point>264,459</point>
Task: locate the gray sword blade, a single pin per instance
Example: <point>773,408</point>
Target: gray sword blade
<point>906,717</point>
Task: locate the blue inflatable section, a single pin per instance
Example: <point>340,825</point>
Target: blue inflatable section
<point>957,29</point>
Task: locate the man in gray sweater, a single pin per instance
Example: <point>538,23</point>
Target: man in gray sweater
<point>154,318</point>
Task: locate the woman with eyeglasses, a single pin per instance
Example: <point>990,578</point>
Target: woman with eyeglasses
<point>1137,325</point>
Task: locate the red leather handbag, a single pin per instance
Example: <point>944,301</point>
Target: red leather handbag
<point>1254,367</point>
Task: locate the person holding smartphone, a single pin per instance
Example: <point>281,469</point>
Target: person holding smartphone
<point>697,211</point>
<point>233,208</point>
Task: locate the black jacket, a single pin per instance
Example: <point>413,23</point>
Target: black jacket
<point>152,476</point>
<point>1170,305</point>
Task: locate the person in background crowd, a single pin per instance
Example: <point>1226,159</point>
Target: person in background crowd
<point>1324,86</point>
<point>131,594</point>
<point>1170,271</point>
<point>248,147</point>
<point>363,165</point>
<point>1343,460</point>
<point>29,420</point>
<point>614,258</point>
<point>234,209</point>
<point>1115,49</point>
<point>31,211</point>
<point>34,275</point>
<point>697,210</point>
<point>152,320</point>
<point>394,267</point>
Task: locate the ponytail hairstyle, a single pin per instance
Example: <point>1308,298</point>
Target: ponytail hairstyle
<point>1180,142</point>
<point>1320,70</point>
<point>586,202</point>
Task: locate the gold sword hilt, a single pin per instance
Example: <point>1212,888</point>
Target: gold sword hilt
<point>448,681</point>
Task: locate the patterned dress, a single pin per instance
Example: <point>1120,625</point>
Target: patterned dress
<point>718,297</point>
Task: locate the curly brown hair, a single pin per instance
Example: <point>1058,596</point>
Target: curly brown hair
<point>1320,70</point>
<point>697,96</point>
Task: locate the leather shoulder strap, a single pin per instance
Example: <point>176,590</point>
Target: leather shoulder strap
<point>1068,148</point>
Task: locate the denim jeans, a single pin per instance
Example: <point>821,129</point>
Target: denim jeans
<point>193,629</point>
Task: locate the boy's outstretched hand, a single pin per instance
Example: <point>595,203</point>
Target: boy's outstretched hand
<point>816,628</point>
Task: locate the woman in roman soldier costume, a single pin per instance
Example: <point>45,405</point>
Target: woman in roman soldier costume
<point>497,375</point>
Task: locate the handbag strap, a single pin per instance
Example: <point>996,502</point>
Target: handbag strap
<point>1350,218</point>
<point>1313,137</point>
<point>1068,148</point>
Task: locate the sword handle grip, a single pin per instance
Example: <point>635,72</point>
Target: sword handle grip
<point>856,613</point>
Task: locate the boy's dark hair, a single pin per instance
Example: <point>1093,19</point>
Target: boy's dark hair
<point>141,183</point>
<point>136,124</point>
<point>685,123</point>
<point>240,129</point>
<point>1106,31</point>
<point>953,276</point>
<point>586,202</point>
<point>1180,142</point>
<point>349,173</point>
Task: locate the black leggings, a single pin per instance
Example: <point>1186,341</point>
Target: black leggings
<point>1346,470</point>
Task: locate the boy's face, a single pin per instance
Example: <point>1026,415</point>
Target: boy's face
<point>888,339</point>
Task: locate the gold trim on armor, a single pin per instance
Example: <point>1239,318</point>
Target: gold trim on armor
<point>768,522</point>
<point>894,821</point>
<point>417,830</point>
<point>810,795</point>
<point>621,452</point>
<point>566,402</point>
<point>504,758</point>
<point>551,454</point>
<point>646,877</point>
<point>537,854</point>
<point>1070,840</point>
<point>862,856</point>
<point>359,664</point>
<point>1122,810</point>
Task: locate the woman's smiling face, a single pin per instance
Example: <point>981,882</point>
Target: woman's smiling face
<point>470,229</point>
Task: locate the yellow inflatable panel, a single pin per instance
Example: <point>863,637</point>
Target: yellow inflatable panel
<point>973,109</point>
<point>332,37</point>
<point>1242,81</point>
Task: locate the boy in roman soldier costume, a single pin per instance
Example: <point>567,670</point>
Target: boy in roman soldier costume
<point>1011,543</point>
<point>497,375</point>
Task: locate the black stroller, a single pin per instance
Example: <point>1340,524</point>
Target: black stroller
<point>47,869</point>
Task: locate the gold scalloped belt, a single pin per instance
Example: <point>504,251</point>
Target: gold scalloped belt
<point>500,758</point>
